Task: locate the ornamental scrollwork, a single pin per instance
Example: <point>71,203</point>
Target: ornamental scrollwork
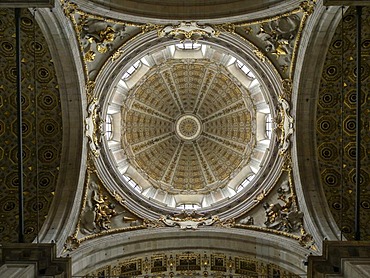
<point>93,127</point>
<point>287,89</point>
<point>188,222</point>
<point>98,35</point>
<point>284,124</point>
<point>187,31</point>
<point>225,27</point>
<point>306,240</point>
<point>308,6</point>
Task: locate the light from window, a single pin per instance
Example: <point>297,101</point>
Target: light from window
<point>131,70</point>
<point>189,206</point>
<point>244,69</point>
<point>268,126</point>
<point>108,127</point>
<point>189,46</point>
<point>245,183</point>
<point>132,183</point>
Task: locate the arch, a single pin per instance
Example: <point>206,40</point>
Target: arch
<point>267,248</point>
<point>62,216</point>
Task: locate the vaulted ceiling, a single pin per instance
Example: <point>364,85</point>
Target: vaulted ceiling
<point>123,147</point>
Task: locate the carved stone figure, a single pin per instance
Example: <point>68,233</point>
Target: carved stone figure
<point>283,217</point>
<point>249,220</point>
<point>97,213</point>
<point>279,35</point>
<point>187,31</point>
<point>104,211</point>
<point>100,33</point>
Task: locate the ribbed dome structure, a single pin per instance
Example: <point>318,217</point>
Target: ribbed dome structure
<point>188,126</point>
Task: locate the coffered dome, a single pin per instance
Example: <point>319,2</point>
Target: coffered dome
<point>189,124</point>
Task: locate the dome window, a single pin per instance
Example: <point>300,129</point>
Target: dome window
<point>131,70</point>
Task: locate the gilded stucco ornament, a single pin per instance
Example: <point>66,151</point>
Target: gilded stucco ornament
<point>260,55</point>
<point>188,222</point>
<point>306,240</point>
<point>284,123</point>
<point>277,211</point>
<point>227,223</point>
<point>68,7</point>
<point>283,215</point>
<point>188,31</point>
<point>71,243</point>
<point>99,35</point>
<point>308,6</point>
<point>190,264</point>
<point>89,89</point>
<point>102,212</point>
<point>93,127</point>
<point>89,56</point>
<point>225,27</point>
<point>287,89</point>
<point>275,39</point>
<point>101,38</point>
<point>278,35</point>
<point>249,220</point>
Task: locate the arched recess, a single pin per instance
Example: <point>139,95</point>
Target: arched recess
<point>319,31</point>
<point>267,248</point>
<point>62,216</point>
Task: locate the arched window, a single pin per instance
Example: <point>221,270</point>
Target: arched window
<point>244,69</point>
<point>131,70</point>
<point>108,127</point>
<point>132,183</point>
<point>189,46</point>
<point>245,183</point>
<point>268,125</point>
<point>189,206</point>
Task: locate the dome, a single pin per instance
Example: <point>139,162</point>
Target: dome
<point>187,133</point>
<point>190,125</point>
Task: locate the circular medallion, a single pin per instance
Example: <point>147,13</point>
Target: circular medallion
<point>188,127</point>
